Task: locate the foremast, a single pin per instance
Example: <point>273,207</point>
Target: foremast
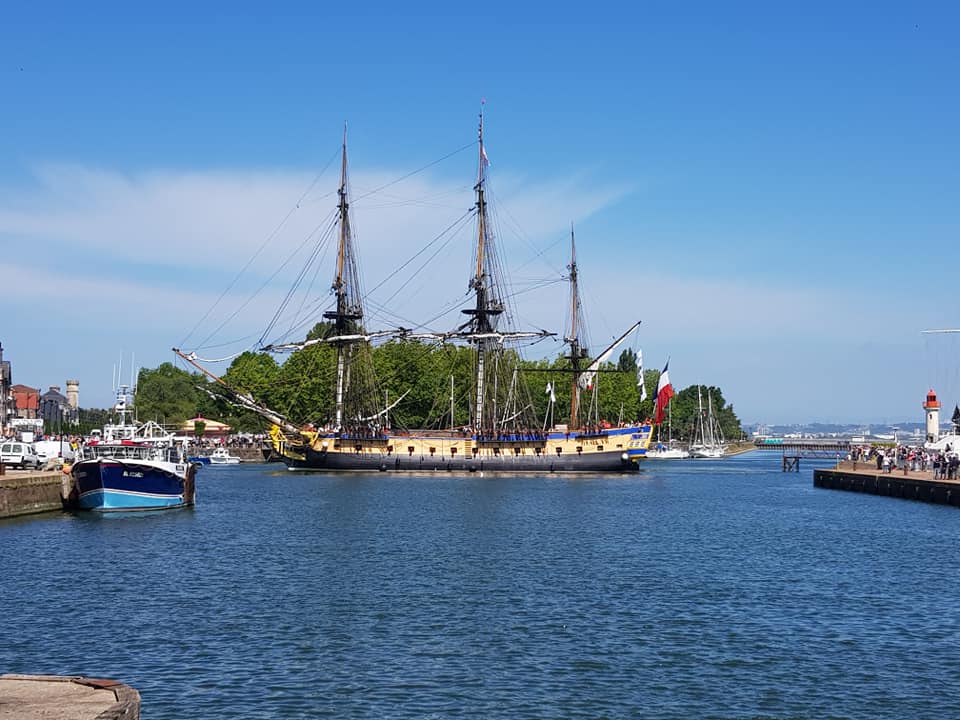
<point>348,316</point>
<point>356,403</point>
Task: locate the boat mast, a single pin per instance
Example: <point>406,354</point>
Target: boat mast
<point>487,308</point>
<point>703,434</point>
<point>346,312</point>
<point>577,352</point>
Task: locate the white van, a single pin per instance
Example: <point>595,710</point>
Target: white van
<point>47,449</point>
<point>19,454</point>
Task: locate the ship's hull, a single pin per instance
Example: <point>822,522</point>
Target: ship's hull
<point>615,450</point>
<point>607,462</point>
<point>124,485</point>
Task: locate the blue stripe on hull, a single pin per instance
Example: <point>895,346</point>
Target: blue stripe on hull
<point>106,485</point>
<point>107,500</point>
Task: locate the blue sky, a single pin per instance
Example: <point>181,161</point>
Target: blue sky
<point>772,189</point>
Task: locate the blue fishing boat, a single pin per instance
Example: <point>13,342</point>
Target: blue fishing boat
<point>132,467</point>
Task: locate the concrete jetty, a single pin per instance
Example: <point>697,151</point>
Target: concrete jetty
<point>36,697</point>
<point>864,477</point>
<point>26,492</point>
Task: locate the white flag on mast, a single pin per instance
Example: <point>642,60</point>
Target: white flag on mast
<point>640,382</point>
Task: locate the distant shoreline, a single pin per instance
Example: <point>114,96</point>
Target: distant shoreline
<point>739,448</point>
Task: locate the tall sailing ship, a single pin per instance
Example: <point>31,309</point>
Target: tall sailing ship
<point>502,434</point>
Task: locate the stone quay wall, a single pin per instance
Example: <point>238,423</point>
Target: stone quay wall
<point>28,493</point>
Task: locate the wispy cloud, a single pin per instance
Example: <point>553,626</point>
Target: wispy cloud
<point>111,261</point>
<point>157,249</point>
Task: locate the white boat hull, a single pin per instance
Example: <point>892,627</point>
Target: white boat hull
<point>706,452</point>
<point>667,454</point>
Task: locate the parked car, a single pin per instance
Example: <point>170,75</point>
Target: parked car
<point>19,454</point>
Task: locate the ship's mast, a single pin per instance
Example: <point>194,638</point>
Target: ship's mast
<point>487,307</point>
<point>346,311</point>
<point>577,352</point>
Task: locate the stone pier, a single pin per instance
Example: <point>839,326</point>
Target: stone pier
<point>35,697</point>
<point>26,492</point>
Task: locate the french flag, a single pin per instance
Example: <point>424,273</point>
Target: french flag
<point>664,393</point>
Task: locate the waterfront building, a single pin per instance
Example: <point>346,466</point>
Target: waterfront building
<point>26,402</point>
<point>56,409</point>
<point>212,430</point>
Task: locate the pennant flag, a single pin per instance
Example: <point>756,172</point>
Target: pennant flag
<point>640,382</point>
<point>664,393</point>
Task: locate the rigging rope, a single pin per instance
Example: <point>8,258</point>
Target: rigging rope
<point>414,172</point>
<point>266,242</point>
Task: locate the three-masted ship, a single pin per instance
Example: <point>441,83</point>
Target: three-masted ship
<point>502,434</point>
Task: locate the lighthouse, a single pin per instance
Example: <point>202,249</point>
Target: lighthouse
<point>932,408</point>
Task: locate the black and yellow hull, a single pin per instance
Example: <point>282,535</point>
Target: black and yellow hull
<point>614,450</point>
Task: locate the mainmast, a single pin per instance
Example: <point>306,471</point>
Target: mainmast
<point>488,307</point>
<point>349,311</point>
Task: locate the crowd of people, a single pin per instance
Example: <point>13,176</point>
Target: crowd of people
<point>904,458</point>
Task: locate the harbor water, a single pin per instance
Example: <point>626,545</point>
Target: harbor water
<point>710,589</point>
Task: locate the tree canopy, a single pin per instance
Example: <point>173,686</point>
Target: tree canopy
<point>302,389</point>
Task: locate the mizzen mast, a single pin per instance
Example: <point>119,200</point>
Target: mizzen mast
<point>578,352</point>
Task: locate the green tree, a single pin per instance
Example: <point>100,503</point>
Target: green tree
<point>627,362</point>
<point>304,390</point>
<point>170,395</point>
<point>257,375</point>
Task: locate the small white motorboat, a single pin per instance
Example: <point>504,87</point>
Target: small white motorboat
<point>220,456</point>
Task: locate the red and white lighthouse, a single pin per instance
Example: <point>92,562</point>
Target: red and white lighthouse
<point>932,407</point>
